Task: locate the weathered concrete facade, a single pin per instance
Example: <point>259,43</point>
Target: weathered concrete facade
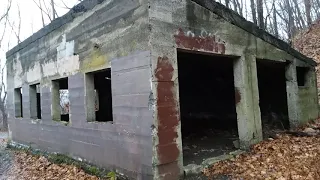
<point>139,41</point>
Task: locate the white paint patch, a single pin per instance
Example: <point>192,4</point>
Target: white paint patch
<point>66,64</point>
<point>34,74</point>
<point>49,69</point>
<point>17,68</point>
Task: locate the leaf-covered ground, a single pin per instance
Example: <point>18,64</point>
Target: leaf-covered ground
<point>285,157</point>
<point>18,165</point>
<point>307,42</point>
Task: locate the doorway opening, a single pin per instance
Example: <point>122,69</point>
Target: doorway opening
<point>273,96</point>
<point>207,106</point>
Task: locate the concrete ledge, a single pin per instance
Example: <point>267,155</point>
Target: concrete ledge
<point>193,169</point>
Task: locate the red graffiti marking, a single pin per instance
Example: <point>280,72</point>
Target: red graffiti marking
<point>207,43</point>
<point>168,116</point>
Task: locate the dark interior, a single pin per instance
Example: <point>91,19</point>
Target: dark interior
<point>273,96</point>
<point>19,91</point>
<point>38,96</point>
<point>38,106</point>
<point>63,85</point>
<point>301,75</point>
<point>207,106</point>
<point>102,84</point>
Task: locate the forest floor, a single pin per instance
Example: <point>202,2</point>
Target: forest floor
<point>20,165</point>
<point>292,155</point>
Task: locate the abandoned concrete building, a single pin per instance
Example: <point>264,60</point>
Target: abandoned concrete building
<point>152,86</point>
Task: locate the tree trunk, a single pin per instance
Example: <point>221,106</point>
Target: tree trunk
<point>291,27</point>
<point>235,6</point>
<point>4,116</point>
<point>275,22</point>
<point>5,121</point>
<point>307,5</point>
<point>53,10</point>
<point>260,13</point>
<point>299,16</point>
<point>227,3</point>
<point>42,18</point>
<point>253,10</point>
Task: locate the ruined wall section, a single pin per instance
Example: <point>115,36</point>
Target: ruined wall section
<point>185,25</point>
<point>308,95</point>
<point>113,34</point>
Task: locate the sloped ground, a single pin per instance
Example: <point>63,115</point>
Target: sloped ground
<point>291,155</point>
<point>22,166</point>
<point>307,42</point>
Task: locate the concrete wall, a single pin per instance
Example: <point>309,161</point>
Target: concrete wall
<point>114,33</point>
<point>138,39</point>
<point>308,98</point>
<point>185,25</point>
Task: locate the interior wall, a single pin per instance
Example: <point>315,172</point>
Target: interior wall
<point>273,94</point>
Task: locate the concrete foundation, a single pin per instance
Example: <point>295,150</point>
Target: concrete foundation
<point>138,41</point>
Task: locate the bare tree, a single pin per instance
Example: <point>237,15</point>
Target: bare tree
<point>253,11</point>
<point>307,5</point>
<point>227,3</point>
<point>275,22</point>
<point>4,18</point>
<point>260,14</point>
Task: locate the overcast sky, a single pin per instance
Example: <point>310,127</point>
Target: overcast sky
<point>30,18</point>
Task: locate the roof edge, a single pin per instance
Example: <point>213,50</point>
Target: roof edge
<point>235,19</point>
<point>74,12</point>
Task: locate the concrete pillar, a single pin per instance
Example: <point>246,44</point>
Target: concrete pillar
<point>292,95</point>
<point>247,101</point>
<point>90,97</point>
<point>26,101</point>
<point>33,101</point>
<point>17,103</point>
<point>55,100</point>
<point>76,86</point>
<point>46,101</point>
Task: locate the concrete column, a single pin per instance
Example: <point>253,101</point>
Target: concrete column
<point>46,102</point>
<point>247,101</point>
<point>25,101</point>
<point>33,101</point>
<point>77,99</point>
<point>292,95</point>
<point>90,97</point>
<point>17,103</point>
<point>55,101</point>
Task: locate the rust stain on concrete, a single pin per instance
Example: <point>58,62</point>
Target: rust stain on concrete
<point>237,96</point>
<point>169,171</point>
<point>206,43</point>
<point>168,117</point>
